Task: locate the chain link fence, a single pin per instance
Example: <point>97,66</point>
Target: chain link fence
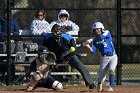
<point>130,44</point>
<point>83,13</point>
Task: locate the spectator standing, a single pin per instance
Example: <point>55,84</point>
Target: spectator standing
<point>3,40</point>
<point>3,25</point>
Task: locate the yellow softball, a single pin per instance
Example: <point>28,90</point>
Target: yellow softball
<point>72,49</point>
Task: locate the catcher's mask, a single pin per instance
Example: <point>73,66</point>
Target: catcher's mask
<point>56,30</point>
<point>47,58</point>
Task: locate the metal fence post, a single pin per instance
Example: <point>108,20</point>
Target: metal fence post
<point>119,67</point>
<point>8,10</point>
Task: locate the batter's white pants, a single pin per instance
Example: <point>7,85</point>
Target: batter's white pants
<point>107,63</point>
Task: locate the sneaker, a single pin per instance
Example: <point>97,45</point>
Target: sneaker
<point>100,87</point>
<point>29,88</point>
<point>92,86</point>
<point>110,89</point>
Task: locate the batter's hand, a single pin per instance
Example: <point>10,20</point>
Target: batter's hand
<point>87,42</point>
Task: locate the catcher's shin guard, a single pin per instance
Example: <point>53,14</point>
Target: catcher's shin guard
<point>36,77</point>
<point>31,85</point>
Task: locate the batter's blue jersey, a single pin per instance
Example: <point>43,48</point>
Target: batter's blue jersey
<point>104,44</point>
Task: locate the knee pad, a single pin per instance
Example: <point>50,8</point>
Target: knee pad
<point>57,85</point>
<point>111,71</point>
<point>37,75</point>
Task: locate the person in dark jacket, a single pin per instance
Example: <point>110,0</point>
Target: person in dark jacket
<point>64,47</point>
<point>3,25</point>
<point>14,27</point>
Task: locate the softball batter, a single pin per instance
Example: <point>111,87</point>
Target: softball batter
<point>108,60</point>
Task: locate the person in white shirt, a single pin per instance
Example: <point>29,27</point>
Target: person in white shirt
<point>39,25</point>
<point>67,25</point>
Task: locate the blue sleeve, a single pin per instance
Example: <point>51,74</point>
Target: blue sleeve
<point>93,48</point>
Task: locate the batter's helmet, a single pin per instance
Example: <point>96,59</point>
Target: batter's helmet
<point>98,25</point>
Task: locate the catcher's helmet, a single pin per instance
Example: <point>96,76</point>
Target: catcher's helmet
<point>98,25</point>
<point>47,57</point>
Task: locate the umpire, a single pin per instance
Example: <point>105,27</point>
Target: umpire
<point>64,47</point>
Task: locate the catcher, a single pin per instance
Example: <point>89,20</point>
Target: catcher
<point>40,76</point>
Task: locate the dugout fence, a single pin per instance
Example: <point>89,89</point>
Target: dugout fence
<point>119,16</point>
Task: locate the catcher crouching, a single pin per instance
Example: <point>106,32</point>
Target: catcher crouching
<point>40,72</point>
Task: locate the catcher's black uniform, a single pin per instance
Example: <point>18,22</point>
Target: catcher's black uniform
<point>44,82</point>
<point>61,46</point>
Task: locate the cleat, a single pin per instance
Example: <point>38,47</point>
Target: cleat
<point>29,88</point>
<point>92,86</point>
<point>100,87</point>
<point>110,89</point>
